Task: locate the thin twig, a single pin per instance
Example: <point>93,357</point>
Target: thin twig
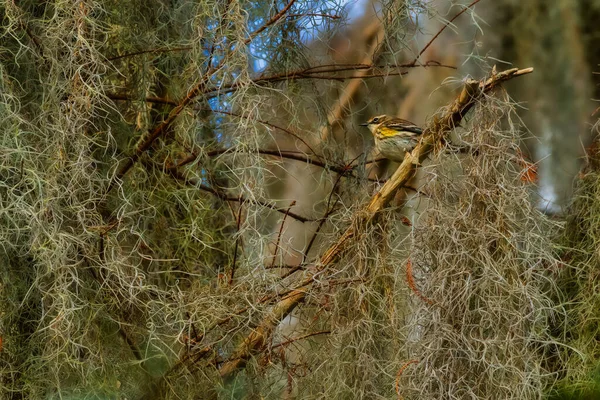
<point>158,131</point>
<point>314,15</point>
<point>299,338</point>
<point>399,374</point>
<point>309,74</point>
<point>271,125</point>
<point>161,50</point>
<point>240,199</point>
<point>160,100</point>
<point>237,242</point>
<point>329,210</point>
<point>442,30</point>
<point>293,203</point>
<point>270,22</point>
<point>345,170</point>
<point>410,279</point>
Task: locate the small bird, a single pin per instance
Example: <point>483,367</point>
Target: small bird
<point>394,137</point>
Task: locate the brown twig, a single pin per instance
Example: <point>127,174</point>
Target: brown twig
<point>279,153</point>
<point>309,74</point>
<point>345,170</point>
<point>329,210</point>
<point>237,243</point>
<point>161,50</point>
<point>413,286</point>
<point>299,338</point>
<point>240,199</point>
<point>270,22</point>
<point>442,30</point>
<point>160,100</point>
<point>399,374</point>
<point>145,144</point>
<point>271,125</point>
<point>280,233</point>
<point>299,76</point>
<point>149,99</point>
<point>314,15</point>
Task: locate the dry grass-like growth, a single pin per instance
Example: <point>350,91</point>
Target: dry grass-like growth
<point>143,242</point>
<point>579,278</point>
<point>485,257</point>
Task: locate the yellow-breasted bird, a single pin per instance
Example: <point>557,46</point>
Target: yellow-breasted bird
<point>393,136</point>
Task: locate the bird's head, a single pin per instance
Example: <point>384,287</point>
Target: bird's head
<point>374,122</point>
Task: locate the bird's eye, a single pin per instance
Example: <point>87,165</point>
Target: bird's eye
<point>375,120</point>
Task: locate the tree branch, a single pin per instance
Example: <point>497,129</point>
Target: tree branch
<point>442,30</point>
<point>226,197</point>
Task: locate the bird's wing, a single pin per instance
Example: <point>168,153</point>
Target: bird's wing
<point>406,126</point>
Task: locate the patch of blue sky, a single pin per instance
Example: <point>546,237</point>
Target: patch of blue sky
<point>356,9</point>
<point>315,19</point>
<point>219,103</point>
<point>312,20</point>
<point>259,57</point>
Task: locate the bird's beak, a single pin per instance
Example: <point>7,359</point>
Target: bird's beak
<point>365,124</point>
